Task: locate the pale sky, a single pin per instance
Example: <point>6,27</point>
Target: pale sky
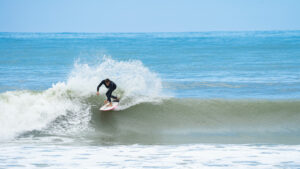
<point>148,15</point>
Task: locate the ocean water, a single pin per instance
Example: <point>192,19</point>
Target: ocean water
<point>188,100</point>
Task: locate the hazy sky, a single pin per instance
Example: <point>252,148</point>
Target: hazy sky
<point>147,15</point>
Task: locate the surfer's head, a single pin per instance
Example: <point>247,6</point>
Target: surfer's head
<point>107,81</point>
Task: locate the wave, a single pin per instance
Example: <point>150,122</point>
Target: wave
<point>203,121</point>
<point>23,111</point>
<point>145,115</point>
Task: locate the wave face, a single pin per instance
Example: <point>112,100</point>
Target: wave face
<point>204,121</point>
<point>145,115</point>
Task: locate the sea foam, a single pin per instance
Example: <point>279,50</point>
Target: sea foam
<point>22,111</point>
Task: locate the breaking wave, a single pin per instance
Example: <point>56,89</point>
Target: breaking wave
<point>145,114</point>
<point>22,111</point>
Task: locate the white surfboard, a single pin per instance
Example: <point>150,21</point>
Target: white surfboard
<point>106,107</point>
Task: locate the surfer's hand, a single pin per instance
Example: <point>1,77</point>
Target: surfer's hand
<point>97,93</point>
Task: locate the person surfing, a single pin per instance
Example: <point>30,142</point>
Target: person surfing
<point>111,86</point>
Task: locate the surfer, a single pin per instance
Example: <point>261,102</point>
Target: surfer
<point>111,87</point>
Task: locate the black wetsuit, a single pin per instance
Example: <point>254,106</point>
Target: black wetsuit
<point>111,87</point>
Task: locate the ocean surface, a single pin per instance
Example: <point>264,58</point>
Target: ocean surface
<point>188,100</point>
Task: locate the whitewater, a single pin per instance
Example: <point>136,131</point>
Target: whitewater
<point>188,100</point>
<point>75,99</point>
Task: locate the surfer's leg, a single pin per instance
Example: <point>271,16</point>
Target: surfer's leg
<point>114,97</point>
<point>108,95</point>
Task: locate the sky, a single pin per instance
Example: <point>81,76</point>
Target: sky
<point>148,15</point>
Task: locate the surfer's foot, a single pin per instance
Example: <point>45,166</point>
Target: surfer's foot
<point>105,101</point>
<point>110,104</point>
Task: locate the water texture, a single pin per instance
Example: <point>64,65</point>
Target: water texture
<point>226,99</point>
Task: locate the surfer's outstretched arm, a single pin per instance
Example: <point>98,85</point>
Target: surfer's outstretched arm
<point>100,85</point>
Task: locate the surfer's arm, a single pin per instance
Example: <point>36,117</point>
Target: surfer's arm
<point>100,85</point>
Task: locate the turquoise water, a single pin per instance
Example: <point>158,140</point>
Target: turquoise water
<point>208,99</point>
<point>202,65</point>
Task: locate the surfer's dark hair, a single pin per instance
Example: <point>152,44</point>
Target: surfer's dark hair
<point>107,80</point>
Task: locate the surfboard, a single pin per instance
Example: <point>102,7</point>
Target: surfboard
<point>109,108</point>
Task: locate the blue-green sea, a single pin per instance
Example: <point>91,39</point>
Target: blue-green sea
<point>188,100</point>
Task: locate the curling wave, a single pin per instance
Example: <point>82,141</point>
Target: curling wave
<point>145,116</point>
<point>67,104</point>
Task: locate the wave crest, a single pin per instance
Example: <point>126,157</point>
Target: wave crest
<point>23,111</point>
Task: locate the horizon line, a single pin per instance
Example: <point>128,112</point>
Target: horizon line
<point>262,30</point>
